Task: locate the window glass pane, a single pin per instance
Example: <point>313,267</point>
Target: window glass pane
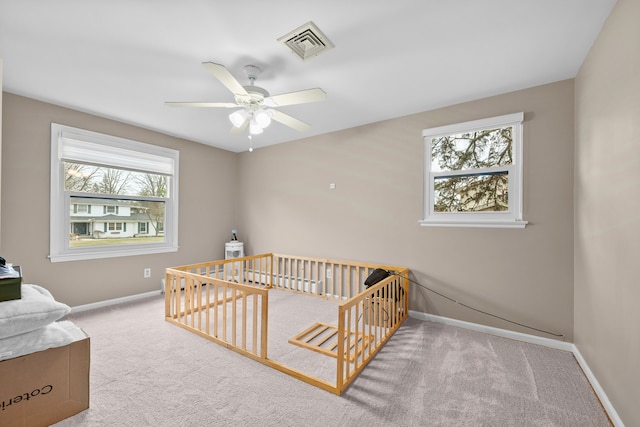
<point>137,222</point>
<point>472,150</point>
<point>104,180</point>
<point>472,193</point>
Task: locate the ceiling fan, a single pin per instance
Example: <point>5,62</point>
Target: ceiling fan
<point>256,106</point>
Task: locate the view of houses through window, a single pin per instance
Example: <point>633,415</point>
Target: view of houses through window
<point>109,206</point>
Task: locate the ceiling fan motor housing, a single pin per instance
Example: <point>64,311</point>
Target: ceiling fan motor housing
<point>255,99</point>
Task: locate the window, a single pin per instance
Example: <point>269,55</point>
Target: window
<point>82,208</point>
<point>473,173</point>
<point>114,226</point>
<point>103,188</point>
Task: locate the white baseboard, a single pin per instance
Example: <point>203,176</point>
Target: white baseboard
<point>613,415</point>
<point>560,345</point>
<point>114,301</point>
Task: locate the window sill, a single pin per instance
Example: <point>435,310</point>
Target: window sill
<point>476,224</point>
<point>79,256</point>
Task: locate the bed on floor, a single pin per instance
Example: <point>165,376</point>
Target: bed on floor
<point>227,302</point>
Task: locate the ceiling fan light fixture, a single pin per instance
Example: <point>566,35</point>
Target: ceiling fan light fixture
<point>263,117</point>
<point>254,128</point>
<point>238,117</point>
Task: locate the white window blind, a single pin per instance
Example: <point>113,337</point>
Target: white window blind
<point>91,150</point>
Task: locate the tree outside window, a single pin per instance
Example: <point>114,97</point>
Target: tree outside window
<point>474,173</point>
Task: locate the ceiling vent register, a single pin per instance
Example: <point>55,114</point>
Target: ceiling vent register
<point>306,41</point>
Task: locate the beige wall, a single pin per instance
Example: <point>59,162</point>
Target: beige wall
<point>0,155</point>
<point>206,213</point>
<point>607,231</point>
<point>372,215</point>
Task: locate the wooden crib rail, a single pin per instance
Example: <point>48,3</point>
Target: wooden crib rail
<point>375,313</point>
<point>232,314</point>
<point>255,269</point>
<point>332,279</point>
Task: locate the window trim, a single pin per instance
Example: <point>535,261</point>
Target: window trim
<point>506,219</point>
<point>162,158</point>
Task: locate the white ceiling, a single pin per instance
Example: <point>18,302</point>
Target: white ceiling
<point>122,59</point>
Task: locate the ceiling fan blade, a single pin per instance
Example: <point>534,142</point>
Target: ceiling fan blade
<point>225,77</point>
<point>292,122</point>
<point>202,104</point>
<point>300,97</point>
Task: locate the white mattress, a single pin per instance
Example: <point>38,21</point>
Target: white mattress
<point>56,334</point>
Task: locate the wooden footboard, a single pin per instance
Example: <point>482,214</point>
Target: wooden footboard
<point>227,301</point>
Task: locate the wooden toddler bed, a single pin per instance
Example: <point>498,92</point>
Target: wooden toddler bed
<point>227,302</point>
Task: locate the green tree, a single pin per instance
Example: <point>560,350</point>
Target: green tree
<point>474,154</point>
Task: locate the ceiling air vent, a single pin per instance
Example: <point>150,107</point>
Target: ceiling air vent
<point>306,41</point>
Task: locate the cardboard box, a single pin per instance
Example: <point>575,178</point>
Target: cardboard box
<point>11,288</point>
<point>42,388</point>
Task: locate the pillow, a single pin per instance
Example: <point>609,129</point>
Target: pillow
<point>57,334</point>
<point>36,309</point>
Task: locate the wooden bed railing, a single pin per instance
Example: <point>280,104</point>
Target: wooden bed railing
<point>207,299</point>
<point>227,301</point>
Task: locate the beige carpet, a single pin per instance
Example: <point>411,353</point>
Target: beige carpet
<point>148,372</point>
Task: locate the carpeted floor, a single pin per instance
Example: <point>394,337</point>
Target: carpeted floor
<point>148,372</point>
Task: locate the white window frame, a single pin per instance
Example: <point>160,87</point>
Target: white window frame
<point>512,218</point>
<point>73,144</point>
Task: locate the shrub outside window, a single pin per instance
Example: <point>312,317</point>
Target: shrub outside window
<point>473,173</point>
<point>110,196</point>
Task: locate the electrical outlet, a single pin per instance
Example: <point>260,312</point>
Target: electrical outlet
<point>328,273</point>
<point>147,273</point>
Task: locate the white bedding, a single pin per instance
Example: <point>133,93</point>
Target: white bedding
<point>56,334</point>
<point>36,308</point>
